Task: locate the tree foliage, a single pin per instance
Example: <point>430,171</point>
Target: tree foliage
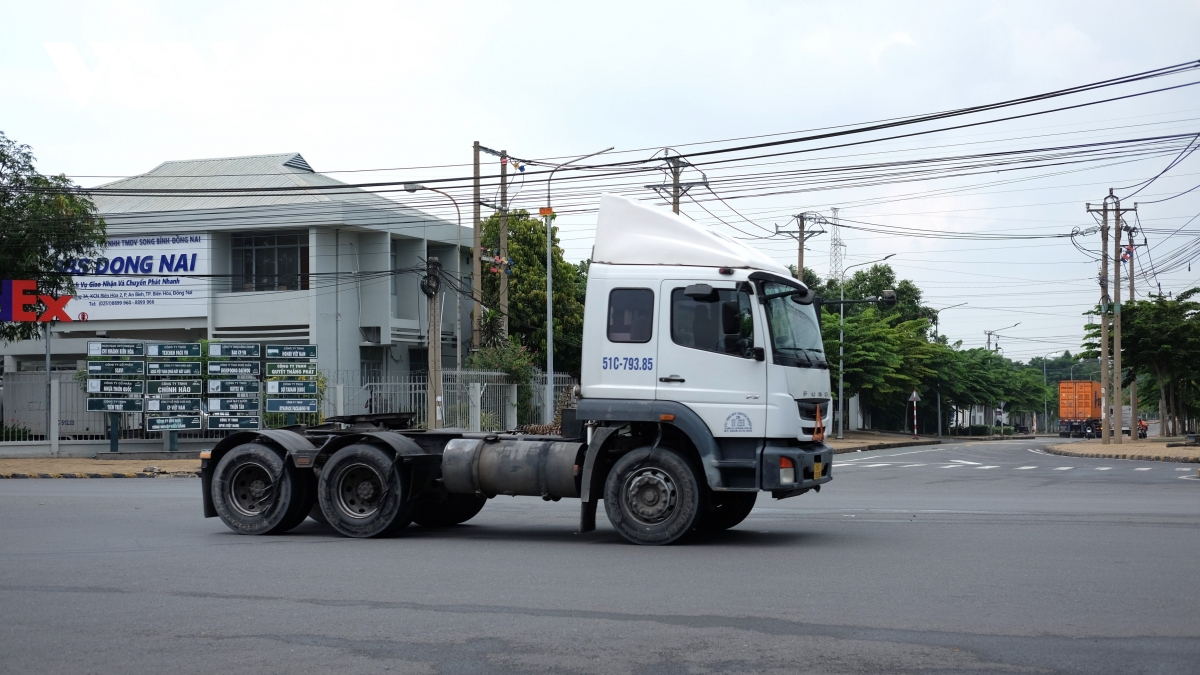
<point>44,223</point>
<point>527,290</point>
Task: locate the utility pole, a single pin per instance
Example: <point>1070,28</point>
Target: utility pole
<point>1104,301</point>
<point>1133,400</point>
<point>476,272</point>
<point>504,243</point>
<point>676,192</point>
<point>1117,375</point>
<point>430,285</point>
<point>800,248</point>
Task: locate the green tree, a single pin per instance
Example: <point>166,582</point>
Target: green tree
<point>527,290</point>
<point>44,224</point>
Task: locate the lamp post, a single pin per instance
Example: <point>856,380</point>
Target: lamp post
<point>842,340</point>
<point>413,187</point>
<point>548,214</point>
<point>937,324</point>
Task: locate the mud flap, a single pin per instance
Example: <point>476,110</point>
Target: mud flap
<point>591,484</point>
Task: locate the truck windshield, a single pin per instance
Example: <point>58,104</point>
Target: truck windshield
<point>795,334</point>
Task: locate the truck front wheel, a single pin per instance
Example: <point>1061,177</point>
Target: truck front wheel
<point>362,492</point>
<point>652,496</point>
<point>256,491</point>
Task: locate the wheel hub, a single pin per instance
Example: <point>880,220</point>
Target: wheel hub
<point>248,489</point>
<point>650,495</point>
<point>359,488</point>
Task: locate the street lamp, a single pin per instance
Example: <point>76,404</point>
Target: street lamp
<point>413,187</point>
<point>842,340</point>
<point>548,214</point>
<point>937,324</point>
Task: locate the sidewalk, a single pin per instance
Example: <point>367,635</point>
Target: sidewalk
<point>862,441</point>
<point>1148,450</point>
<point>71,467</point>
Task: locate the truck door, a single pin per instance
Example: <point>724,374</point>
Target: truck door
<point>706,356</point>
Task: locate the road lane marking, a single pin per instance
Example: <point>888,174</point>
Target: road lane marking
<point>951,466</point>
<point>1183,469</point>
<point>1104,468</point>
<point>994,466</point>
<point>963,461</point>
<point>1064,468</point>
<point>910,465</point>
<point>1023,468</point>
<point>1037,452</point>
<point>1144,468</point>
<point>869,466</point>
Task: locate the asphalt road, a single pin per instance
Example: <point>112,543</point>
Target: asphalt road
<point>971,558</point>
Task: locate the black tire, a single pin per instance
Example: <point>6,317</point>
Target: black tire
<point>256,491</point>
<point>363,492</point>
<point>305,481</point>
<point>652,497</point>
<point>728,509</point>
<point>444,510</point>
<point>316,514</point>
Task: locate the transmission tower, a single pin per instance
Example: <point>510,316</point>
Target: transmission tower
<point>837,248</point>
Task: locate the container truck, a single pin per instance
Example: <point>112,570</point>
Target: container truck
<point>1079,406</point>
<point>704,382</point>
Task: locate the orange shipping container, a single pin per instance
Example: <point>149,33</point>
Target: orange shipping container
<point>1078,400</point>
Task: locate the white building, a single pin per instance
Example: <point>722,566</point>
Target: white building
<point>266,250</point>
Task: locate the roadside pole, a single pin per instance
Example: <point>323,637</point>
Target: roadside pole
<point>504,243</point>
<point>1104,300</point>
<point>1118,414</point>
<point>433,391</point>
<point>914,397</point>
<point>49,393</point>
<point>1133,399</point>
<point>476,278</point>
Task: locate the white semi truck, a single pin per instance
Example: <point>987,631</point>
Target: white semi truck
<point>704,382</point>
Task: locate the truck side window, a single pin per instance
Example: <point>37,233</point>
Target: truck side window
<point>722,323</point>
<point>630,315</point>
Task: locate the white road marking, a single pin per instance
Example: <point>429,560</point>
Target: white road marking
<point>868,466</point>
<point>1144,468</point>
<point>1022,468</point>
<point>1104,468</point>
<point>1064,468</point>
<point>994,466</point>
<point>1183,469</point>
<point>1036,452</point>
<point>906,466</point>
<point>951,466</point>
<point>963,461</point>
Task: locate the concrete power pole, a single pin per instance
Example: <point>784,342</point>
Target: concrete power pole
<point>504,243</point>
<point>1133,400</point>
<point>430,286</point>
<point>676,189</point>
<point>1117,376</point>
<point>1105,391</point>
<point>476,272</point>
<point>800,255</point>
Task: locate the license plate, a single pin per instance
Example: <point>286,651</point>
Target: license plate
<point>817,470</point>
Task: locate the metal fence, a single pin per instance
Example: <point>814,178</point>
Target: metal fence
<point>472,399</point>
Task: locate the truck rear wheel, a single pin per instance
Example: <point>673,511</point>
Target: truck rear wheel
<point>445,510</point>
<point>729,509</point>
<point>363,493</point>
<point>652,496</point>
<point>256,491</point>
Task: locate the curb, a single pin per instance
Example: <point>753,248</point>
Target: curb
<point>1114,455</point>
<point>139,474</point>
<point>884,446</point>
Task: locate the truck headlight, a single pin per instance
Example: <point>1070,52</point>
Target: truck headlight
<point>787,470</point>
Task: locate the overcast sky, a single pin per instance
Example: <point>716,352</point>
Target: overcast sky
<point>114,88</point>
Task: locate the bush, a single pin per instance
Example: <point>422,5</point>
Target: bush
<point>515,361</point>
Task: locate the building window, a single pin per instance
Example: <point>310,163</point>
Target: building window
<point>630,315</point>
<point>269,262</point>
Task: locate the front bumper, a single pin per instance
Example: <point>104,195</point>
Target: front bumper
<point>813,467</point>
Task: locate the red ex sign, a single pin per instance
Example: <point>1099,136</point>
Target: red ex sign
<point>17,295</point>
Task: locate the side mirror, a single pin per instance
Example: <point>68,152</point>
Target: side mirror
<point>888,298</point>
<point>760,354</point>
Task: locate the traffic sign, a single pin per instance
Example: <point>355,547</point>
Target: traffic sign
<point>234,349</point>
<point>234,421</point>
<point>291,351</point>
<point>172,422</point>
<point>168,368</point>
<point>116,367</point>
<point>173,349</point>
<point>233,404</point>
<point>173,405</point>
<point>233,386</point>
<point>116,349</point>
<point>116,387</point>
<point>292,405</point>
<point>234,368</point>
<point>291,369</point>
<point>291,387</point>
<point>174,387</point>
<point>114,404</point>
<point>914,396</point>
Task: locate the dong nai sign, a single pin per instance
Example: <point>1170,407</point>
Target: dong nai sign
<point>19,302</point>
<point>143,277</point>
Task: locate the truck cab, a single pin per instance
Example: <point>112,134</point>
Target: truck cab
<point>689,329</point>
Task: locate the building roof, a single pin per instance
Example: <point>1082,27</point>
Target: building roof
<point>629,233</point>
<point>286,170</point>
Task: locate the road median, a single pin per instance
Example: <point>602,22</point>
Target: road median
<point>95,468</point>
<point>1145,451</point>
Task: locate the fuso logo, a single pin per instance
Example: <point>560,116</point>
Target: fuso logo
<point>19,299</point>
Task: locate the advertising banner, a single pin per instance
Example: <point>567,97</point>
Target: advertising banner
<point>233,368</point>
<point>173,349</point>
<point>173,423</point>
<point>174,387</point>
<point>168,368</point>
<point>233,386</point>
<point>290,369</point>
<point>292,387</point>
<point>114,405</point>
<point>116,367</point>
<point>291,351</point>
<point>116,387</point>
<point>173,405</point>
<point>233,422</point>
<point>292,405</point>
<point>142,277</point>
<point>233,404</point>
